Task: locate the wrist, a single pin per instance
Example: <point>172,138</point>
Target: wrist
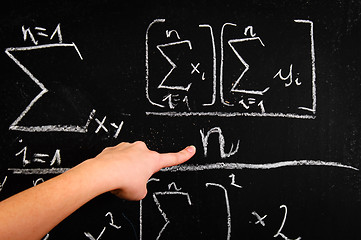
<point>88,175</point>
<point>97,175</point>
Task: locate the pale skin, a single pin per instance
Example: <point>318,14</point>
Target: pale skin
<point>124,170</point>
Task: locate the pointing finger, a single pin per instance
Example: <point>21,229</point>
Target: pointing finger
<point>172,159</point>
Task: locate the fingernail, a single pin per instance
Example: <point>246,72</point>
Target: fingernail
<point>191,149</point>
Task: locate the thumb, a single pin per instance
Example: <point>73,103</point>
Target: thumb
<point>172,159</point>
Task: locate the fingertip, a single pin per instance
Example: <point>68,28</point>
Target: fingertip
<point>191,149</point>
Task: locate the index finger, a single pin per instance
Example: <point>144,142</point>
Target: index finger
<point>172,159</point>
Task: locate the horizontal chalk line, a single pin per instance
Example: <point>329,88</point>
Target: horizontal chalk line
<point>265,166</point>
<point>30,171</point>
<point>203,167</point>
<point>50,128</point>
<point>230,114</point>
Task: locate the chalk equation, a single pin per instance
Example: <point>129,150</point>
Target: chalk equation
<point>160,200</point>
<point>186,75</point>
<point>44,160</point>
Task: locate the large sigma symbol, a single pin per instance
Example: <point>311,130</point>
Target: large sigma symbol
<point>18,125</point>
<point>187,75</point>
<point>173,67</point>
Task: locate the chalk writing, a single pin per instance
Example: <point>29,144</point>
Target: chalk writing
<point>169,33</point>
<point>313,59</point>
<point>3,183</point>
<point>141,210</point>
<point>23,152</point>
<point>40,31</point>
<point>233,183</point>
<point>162,85</point>
<point>38,181</point>
<point>248,31</point>
<point>164,215</point>
<point>242,98</point>
<point>229,225</point>
<point>101,125</point>
<point>174,185</point>
<point>109,128</point>
<point>39,157</point>
<point>43,90</point>
<point>228,89</point>
<point>250,101</point>
<point>260,220</point>
<point>261,166</point>
<point>195,68</point>
<point>111,223</point>
<point>157,201</point>
<point>279,232</point>
<point>177,54</point>
<point>289,77</point>
<point>88,235</point>
<point>56,158</point>
<point>37,171</point>
<point>246,65</point>
<point>172,100</point>
<point>221,143</point>
<point>214,62</point>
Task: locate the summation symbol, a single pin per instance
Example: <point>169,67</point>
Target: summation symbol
<point>248,91</point>
<point>246,65</point>
<point>164,215</point>
<point>27,33</point>
<point>183,73</point>
<point>162,85</point>
<point>158,197</point>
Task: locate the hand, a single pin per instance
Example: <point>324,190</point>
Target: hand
<point>125,169</point>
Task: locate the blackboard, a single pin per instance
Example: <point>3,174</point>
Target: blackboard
<point>268,92</point>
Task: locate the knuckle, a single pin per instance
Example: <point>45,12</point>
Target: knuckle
<point>107,149</point>
<point>122,144</point>
<point>140,144</point>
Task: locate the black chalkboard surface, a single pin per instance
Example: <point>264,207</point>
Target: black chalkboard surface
<point>268,92</point>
